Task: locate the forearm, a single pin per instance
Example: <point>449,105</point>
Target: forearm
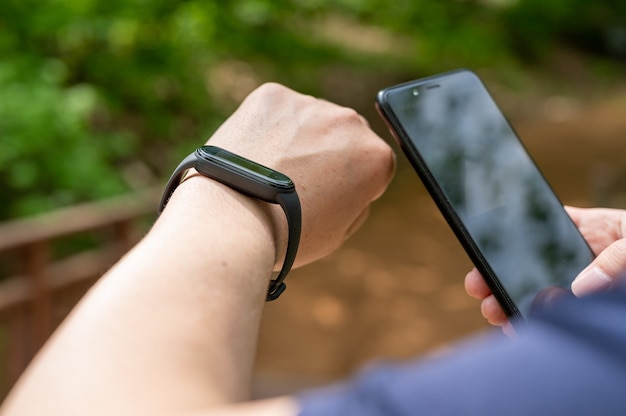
<point>202,323</point>
<point>173,328</point>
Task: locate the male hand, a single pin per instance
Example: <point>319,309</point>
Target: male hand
<point>339,165</point>
<point>604,230</point>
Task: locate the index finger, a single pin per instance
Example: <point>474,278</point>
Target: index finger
<point>475,285</point>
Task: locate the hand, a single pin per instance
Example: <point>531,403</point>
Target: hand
<point>338,164</point>
<point>604,230</point>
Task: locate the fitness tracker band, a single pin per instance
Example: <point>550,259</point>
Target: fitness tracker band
<point>252,179</point>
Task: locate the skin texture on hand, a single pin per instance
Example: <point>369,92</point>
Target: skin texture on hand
<point>337,162</point>
<point>604,230</point>
<point>172,328</point>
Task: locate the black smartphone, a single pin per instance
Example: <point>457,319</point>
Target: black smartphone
<point>506,216</point>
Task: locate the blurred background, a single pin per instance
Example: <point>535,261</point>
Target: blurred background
<point>100,100</point>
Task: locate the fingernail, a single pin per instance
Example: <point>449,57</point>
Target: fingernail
<point>592,279</point>
<point>509,330</point>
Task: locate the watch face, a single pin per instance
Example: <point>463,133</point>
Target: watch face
<point>243,166</point>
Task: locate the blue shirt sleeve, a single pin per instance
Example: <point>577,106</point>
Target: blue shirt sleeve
<point>569,359</point>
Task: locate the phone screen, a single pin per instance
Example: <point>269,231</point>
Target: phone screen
<point>490,190</point>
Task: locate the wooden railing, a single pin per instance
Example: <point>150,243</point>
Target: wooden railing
<point>38,285</point>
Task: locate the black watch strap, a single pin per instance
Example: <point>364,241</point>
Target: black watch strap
<point>187,163</point>
<point>288,201</point>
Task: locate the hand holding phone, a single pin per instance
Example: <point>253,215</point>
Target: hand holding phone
<point>493,196</point>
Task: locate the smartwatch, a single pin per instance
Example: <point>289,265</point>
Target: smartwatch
<point>251,179</point>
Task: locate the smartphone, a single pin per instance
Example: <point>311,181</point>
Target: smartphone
<point>492,194</point>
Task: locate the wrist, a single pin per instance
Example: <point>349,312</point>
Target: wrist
<point>255,180</point>
<point>205,212</point>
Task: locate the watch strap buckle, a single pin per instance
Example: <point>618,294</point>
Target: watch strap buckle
<point>275,290</point>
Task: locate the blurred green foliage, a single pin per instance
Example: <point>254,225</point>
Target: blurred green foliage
<point>99,97</point>
<point>534,27</point>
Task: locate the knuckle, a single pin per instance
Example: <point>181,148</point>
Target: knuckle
<point>615,257</point>
<point>272,89</point>
<point>385,156</point>
<point>620,248</point>
<point>346,115</point>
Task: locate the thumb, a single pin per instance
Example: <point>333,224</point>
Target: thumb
<point>603,271</point>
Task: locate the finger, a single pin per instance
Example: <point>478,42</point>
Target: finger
<point>509,330</point>
<point>475,285</point>
<point>391,163</point>
<point>603,271</point>
<point>575,213</point>
<point>358,222</point>
<point>492,311</point>
<point>364,120</point>
<point>600,226</point>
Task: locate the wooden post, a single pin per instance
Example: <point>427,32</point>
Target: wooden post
<point>37,256</point>
<point>124,235</point>
<point>19,343</point>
